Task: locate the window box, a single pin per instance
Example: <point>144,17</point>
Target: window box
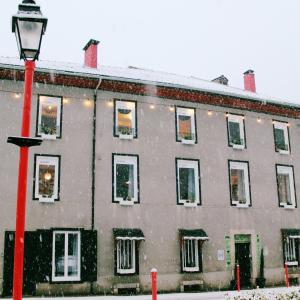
<point>186,125</point>
<point>125,119</point>
<point>125,179</point>
<point>66,256</point>
<point>239,183</point>
<point>286,186</point>
<point>46,178</point>
<point>49,117</point>
<point>236,131</point>
<point>188,182</point>
<point>281,137</point>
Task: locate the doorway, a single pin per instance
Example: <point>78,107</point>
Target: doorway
<point>243,258</point>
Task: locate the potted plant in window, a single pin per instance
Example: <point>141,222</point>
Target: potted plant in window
<point>261,280</point>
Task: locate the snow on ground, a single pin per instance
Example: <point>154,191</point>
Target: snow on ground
<point>268,293</point>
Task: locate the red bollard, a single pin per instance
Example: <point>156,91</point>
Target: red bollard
<point>154,284</point>
<point>286,275</point>
<point>238,277</point>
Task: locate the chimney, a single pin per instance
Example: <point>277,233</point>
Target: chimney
<point>91,54</point>
<point>249,81</point>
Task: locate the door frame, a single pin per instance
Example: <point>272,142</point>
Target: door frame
<point>253,251</point>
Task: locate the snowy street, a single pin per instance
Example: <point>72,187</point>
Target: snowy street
<point>269,293</point>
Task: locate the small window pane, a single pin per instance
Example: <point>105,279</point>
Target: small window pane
<point>48,118</point>
<point>125,181</point>
<point>187,184</point>
<point>125,252</point>
<point>185,127</point>
<point>125,121</point>
<point>59,255</point>
<point>238,192</point>
<point>234,133</point>
<point>280,139</point>
<point>73,254</point>
<point>46,180</point>
<point>284,188</point>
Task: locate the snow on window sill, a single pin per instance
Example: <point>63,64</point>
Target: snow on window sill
<point>46,200</point>
<point>48,136</point>
<point>239,205</point>
<point>188,142</point>
<point>284,152</point>
<point>238,147</point>
<point>188,204</point>
<point>126,203</point>
<point>126,136</point>
<point>288,206</point>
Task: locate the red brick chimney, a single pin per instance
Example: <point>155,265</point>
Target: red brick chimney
<point>249,81</point>
<point>91,54</point>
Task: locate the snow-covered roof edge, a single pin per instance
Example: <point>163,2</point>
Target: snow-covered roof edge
<point>146,77</point>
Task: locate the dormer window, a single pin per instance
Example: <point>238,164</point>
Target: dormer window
<point>236,131</point>
<point>186,125</point>
<point>125,119</point>
<point>281,137</point>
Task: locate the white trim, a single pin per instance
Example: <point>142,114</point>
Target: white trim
<point>66,261</point>
<point>196,238</point>
<point>190,164</point>
<point>54,101</point>
<point>236,165</point>
<point>183,111</point>
<point>284,127</point>
<point>287,170</point>
<point>130,106</point>
<point>132,254</point>
<point>126,160</point>
<point>51,161</point>
<point>129,238</point>
<point>240,120</point>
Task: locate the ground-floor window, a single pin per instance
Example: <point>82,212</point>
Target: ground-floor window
<point>66,256</point>
<point>190,255</point>
<point>126,256</point>
<point>292,251</point>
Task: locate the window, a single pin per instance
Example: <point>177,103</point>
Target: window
<point>66,256</point>
<point>190,255</point>
<point>125,119</point>
<point>125,184</point>
<point>126,256</point>
<point>291,250</point>
<point>236,131</point>
<point>49,117</point>
<point>186,125</point>
<point>239,183</point>
<point>188,182</point>
<point>281,137</point>
<point>46,178</point>
<point>285,186</point>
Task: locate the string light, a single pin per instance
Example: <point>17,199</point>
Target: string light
<point>17,95</point>
<point>171,108</point>
<point>258,120</point>
<point>209,113</point>
<point>88,103</point>
<point>110,103</point>
<point>66,101</point>
<point>152,106</point>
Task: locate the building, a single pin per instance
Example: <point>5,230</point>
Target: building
<point>141,169</point>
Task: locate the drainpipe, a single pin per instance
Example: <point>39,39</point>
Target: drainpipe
<point>94,165</point>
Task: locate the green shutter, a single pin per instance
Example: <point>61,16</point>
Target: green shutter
<point>88,255</point>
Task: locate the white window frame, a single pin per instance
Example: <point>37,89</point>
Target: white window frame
<point>196,250</point>
<point>193,164</point>
<point>130,105</point>
<point>240,120</point>
<point>66,277</point>
<point>47,160</point>
<point>237,165</point>
<point>284,127</point>
<point>290,256</point>
<point>184,111</point>
<point>133,256</point>
<point>281,169</point>
<point>126,160</point>
<point>55,101</point>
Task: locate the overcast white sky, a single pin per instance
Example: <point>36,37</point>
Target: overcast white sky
<point>203,38</point>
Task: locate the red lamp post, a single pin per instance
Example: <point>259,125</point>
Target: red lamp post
<point>29,25</point>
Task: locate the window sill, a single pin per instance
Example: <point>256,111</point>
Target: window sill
<point>186,204</point>
<point>188,142</point>
<point>242,205</point>
<point>126,203</point>
<point>238,147</point>
<point>49,137</point>
<point>46,200</point>
<point>287,206</point>
<point>191,270</point>
<point>125,137</point>
<point>65,279</point>
<point>125,272</point>
<point>283,152</point>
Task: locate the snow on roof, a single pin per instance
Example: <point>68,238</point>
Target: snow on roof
<point>144,76</point>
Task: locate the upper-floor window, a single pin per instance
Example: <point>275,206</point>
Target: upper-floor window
<point>186,125</point>
<point>188,182</point>
<point>286,186</point>
<point>236,131</point>
<point>49,117</point>
<point>125,179</point>
<point>239,183</point>
<point>125,119</point>
<point>66,256</point>
<point>281,137</point>
<point>46,178</point>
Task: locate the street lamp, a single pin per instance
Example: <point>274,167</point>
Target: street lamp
<point>29,25</point>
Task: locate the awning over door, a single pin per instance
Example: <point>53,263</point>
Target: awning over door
<point>128,234</point>
<point>291,233</point>
<point>193,234</point>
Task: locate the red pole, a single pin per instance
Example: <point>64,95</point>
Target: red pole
<point>286,275</point>
<point>238,277</point>
<point>154,284</point>
<point>22,185</point>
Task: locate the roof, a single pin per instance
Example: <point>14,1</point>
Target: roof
<point>149,79</point>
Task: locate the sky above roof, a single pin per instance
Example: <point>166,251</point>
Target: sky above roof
<point>203,38</point>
